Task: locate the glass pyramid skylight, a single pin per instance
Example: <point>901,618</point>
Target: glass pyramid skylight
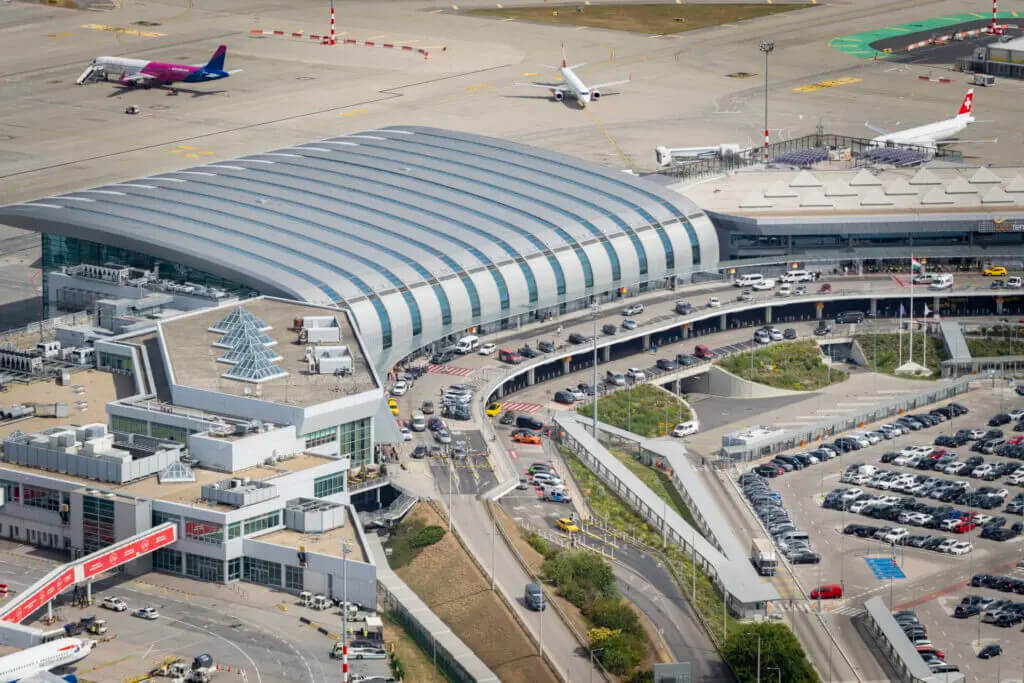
<point>249,346</point>
<point>237,316</point>
<point>243,331</point>
<point>252,367</point>
<point>176,472</point>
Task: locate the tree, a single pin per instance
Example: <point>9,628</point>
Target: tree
<point>779,648</point>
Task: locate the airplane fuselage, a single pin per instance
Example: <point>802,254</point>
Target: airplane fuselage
<point>157,72</point>
<point>34,660</point>
<point>928,135</point>
<point>575,86</point>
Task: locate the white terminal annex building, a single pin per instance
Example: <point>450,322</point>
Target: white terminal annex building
<point>272,427</point>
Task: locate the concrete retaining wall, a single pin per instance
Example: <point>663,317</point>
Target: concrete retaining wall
<point>721,382</point>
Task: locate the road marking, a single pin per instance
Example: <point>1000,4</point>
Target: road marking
<point>821,85</point>
<point>245,654</point>
<point>579,28</point>
<point>376,37</point>
<point>62,34</point>
<point>477,86</point>
<point>354,112</point>
<point>126,31</point>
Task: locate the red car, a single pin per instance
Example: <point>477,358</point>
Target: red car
<point>964,526</point>
<point>701,351</point>
<point>937,453</point>
<point>930,650</point>
<point>827,592</point>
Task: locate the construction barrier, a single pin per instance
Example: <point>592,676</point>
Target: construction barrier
<point>326,40</point>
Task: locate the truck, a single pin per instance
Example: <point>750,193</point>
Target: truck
<point>509,356</point>
<point>762,556</point>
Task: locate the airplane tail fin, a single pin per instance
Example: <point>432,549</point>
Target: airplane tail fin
<point>564,63</point>
<point>967,104</point>
<point>216,62</point>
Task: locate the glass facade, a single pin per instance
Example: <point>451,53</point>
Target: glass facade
<point>167,560</point>
<point>293,578</point>
<point>97,523</point>
<point>39,497</point>
<point>110,360</point>
<point>261,523</point>
<point>201,530</point>
<point>261,571</point>
<point>322,436</point>
<point>356,442</point>
<point>128,425</point>
<point>235,569</point>
<point>12,491</point>
<point>161,517</point>
<point>204,568</point>
<point>160,431</point>
<point>329,485</point>
<point>234,530</point>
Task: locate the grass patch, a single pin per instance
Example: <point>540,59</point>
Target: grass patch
<point>415,662</point>
<point>658,19</point>
<point>659,482</point>
<point>987,347</point>
<point>887,355</point>
<point>645,410</point>
<point>409,538</point>
<point>797,366</point>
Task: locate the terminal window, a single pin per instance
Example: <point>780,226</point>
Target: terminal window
<point>322,436</point>
<point>167,560</point>
<point>159,431</point>
<point>235,569</point>
<point>204,568</point>
<point>201,530</point>
<point>293,578</point>
<point>128,425</point>
<point>357,442</point>
<point>329,485</point>
<point>262,571</point>
<point>109,360</point>
<point>39,497</point>
<point>12,491</point>
<point>262,523</point>
<point>97,523</point>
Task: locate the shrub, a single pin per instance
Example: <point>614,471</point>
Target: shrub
<point>580,577</point>
<point>537,542</point>
<point>618,652</point>
<point>613,614</point>
<point>428,535</point>
<point>779,648</point>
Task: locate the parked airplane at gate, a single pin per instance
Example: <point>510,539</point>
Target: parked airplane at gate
<point>931,134</point>
<point>34,664</point>
<point>572,86</point>
<point>142,72</point>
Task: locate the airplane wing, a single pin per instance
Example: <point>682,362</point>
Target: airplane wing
<point>880,131</point>
<point>136,78</point>
<point>47,677</point>
<point>552,87</point>
<point>576,66</point>
<point>608,84</point>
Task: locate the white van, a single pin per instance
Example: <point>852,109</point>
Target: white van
<point>749,279</point>
<point>798,276</point>
<point>467,344</point>
<point>685,428</point>
<point>419,422</point>
<point>944,281</point>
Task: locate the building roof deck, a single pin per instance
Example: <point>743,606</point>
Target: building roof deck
<point>193,359</point>
<point>328,543</point>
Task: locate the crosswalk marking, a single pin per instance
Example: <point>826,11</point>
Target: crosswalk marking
<point>450,370</point>
<point>521,407</point>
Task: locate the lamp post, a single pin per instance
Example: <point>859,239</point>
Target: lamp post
<point>777,670</point>
<point>595,312</point>
<point>345,550</point>
<point>592,651</point>
<point>767,46</point>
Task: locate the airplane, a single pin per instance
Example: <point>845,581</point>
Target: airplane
<point>572,85</point>
<point>142,72</point>
<point>931,134</point>
<point>34,664</point>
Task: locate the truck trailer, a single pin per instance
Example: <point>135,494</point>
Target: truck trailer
<point>762,556</point>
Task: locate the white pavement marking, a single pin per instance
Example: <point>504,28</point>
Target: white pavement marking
<point>245,654</point>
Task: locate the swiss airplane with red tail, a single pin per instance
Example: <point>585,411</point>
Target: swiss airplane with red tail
<point>931,134</point>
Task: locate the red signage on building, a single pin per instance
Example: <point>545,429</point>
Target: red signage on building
<point>46,593</point>
<point>126,553</point>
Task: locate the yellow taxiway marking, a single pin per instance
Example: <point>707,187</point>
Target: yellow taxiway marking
<point>529,74</point>
<point>507,19</point>
<point>625,157</point>
<point>62,34</point>
<point>821,85</point>
<point>478,86</point>
<point>126,31</point>
<point>499,6</point>
<point>354,112</point>
<point>189,151</point>
<point>455,7</point>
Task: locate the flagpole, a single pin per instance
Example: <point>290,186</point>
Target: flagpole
<point>899,336</point>
<point>911,308</point>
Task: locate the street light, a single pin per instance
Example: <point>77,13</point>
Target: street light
<point>595,312</point>
<point>767,46</point>
<point>778,670</point>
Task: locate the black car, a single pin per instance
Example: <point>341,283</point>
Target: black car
<point>666,364</point>
<point>789,333</point>
<point>419,452</point>
<point>767,471</point>
<point>577,338</point>
<point>821,330</point>
<point>990,650</point>
<point>889,456</point>
<point>442,358</point>
<point>805,557</point>
<point>958,408</point>
<point>435,424</point>
<point>546,346</point>
<point>683,360</point>
<point>999,420</point>
<point>1019,389</point>
<point>527,351</point>
<point>609,329</point>
<point>507,417</point>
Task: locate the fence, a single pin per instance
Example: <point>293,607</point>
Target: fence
<point>43,330</point>
<point>805,436</point>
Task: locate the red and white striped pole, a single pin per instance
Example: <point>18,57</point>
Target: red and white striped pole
<point>332,43</point>
<point>344,657</point>
<point>995,11</point>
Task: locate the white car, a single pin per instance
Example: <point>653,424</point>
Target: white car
<point>784,290</point>
<point>714,302</point>
<point>762,337</point>
<point>976,434</point>
<point>636,374</point>
<point>488,349</point>
<point>635,309</point>
<point>981,519</point>
<point>406,434</point>
<point>946,545</point>
<point>399,388</point>
<point>1014,282</point>
<point>763,285</point>
<point>896,535</point>
<point>960,548</point>
<point>116,604</point>
<point>859,506</point>
<point>685,428</point>
<point>775,334</point>
<point>146,613</point>
<point>1016,414</point>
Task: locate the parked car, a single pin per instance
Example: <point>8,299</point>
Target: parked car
<point>827,592</point>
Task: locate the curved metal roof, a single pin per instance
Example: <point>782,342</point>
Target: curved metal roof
<point>359,217</point>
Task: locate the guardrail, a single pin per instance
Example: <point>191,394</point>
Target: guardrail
<point>805,436</point>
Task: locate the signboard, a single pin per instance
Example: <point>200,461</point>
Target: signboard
<point>104,560</point>
<point>46,593</point>
<point>1002,225</point>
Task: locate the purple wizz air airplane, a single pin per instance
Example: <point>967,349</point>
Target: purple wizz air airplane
<point>142,72</point>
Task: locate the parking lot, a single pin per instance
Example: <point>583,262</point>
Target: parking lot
<point>866,567</point>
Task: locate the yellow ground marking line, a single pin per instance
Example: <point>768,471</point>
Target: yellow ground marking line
<point>376,37</point>
<point>625,157</point>
<point>354,112</point>
<point>478,86</point>
<point>62,34</point>
<point>529,74</point>
<point>579,28</point>
<point>821,85</point>
<point>436,11</point>
<point>126,31</point>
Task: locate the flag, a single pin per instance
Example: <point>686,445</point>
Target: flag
<point>926,310</point>
<point>902,311</point>
<point>915,264</point>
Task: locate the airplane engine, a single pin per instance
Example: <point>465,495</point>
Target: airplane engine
<point>558,95</point>
<point>595,94</point>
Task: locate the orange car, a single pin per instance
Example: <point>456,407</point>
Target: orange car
<point>526,437</point>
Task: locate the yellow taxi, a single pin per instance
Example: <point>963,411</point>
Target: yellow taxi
<point>493,409</point>
<point>566,524</point>
<point>998,271</point>
<point>393,405</point>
